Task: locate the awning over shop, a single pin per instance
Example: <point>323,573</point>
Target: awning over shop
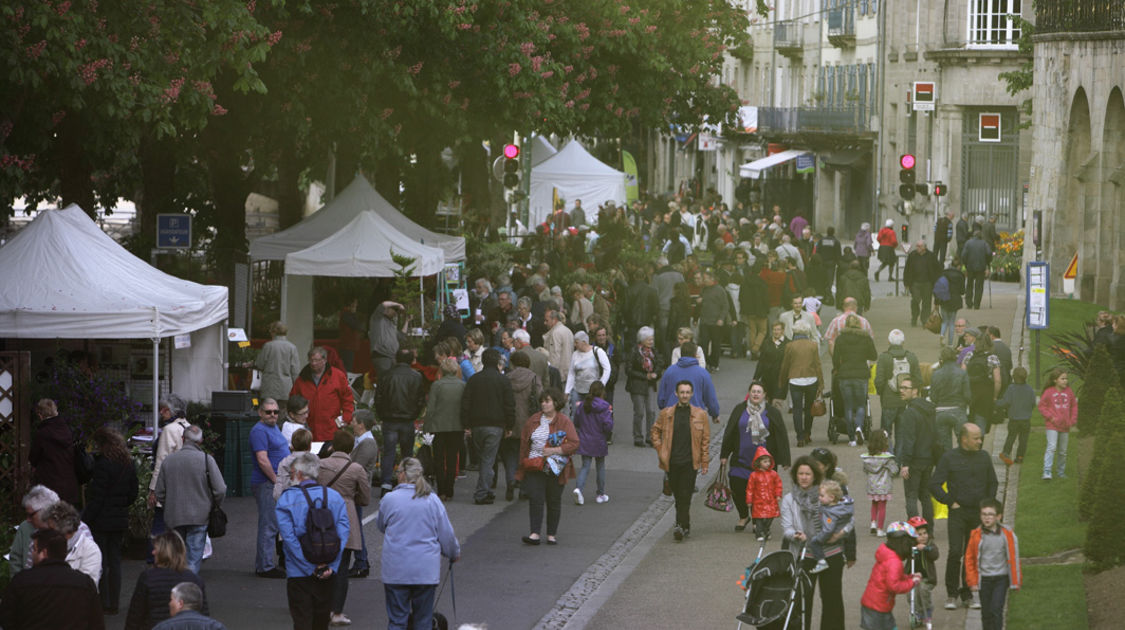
<point>754,169</point>
<point>845,158</point>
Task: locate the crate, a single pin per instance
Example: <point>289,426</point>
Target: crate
<point>237,458</point>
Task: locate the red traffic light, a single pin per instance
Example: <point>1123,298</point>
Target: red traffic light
<point>511,151</point>
<point>939,189</point>
<point>906,161</point>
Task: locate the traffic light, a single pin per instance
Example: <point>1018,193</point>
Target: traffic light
<point>939,189</point>
<point>906,175</point>
<point>511,166</point>
<point>922,189</point>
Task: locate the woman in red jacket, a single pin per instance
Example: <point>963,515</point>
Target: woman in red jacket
<point>888,578</point>
<point>887,244</point>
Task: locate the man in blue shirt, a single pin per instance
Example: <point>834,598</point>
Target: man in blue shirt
<point>309,586</point>
<point>269,447</point>
<point>688,369</point>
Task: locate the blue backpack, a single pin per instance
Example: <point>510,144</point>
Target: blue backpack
<point>941,289</point>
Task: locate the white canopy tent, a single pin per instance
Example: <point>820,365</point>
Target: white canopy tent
<point>66,279</point>
<point>541,149</point>
<point>329,219</point>
<point>574,174</point>
<point>363,249</point>
<point>333,220</point>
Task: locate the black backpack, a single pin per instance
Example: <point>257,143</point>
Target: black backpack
<point>320,544</point>
<point>980,375</point>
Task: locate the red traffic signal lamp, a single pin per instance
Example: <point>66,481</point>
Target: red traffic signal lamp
<point>907,188</point>
<point>511,166</point>
<point>939,189</point>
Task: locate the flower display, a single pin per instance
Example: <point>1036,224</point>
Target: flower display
<point>1008,258</point>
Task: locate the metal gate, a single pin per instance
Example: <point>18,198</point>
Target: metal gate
<point>990,170</point>
<point>15,424</point>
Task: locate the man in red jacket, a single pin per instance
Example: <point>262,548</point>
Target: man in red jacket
<point>328,392</point>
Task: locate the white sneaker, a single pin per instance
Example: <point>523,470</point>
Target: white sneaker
<point>880,533</point>
<point>874,527</point>
<point>602,498</point>
<point>852,443</point>
<point>820,566</point>
<point>975,604</point>
<point>951,603</point>
<point>340,619</point>
<point>578,500</point>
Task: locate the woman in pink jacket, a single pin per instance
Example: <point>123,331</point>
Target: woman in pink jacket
<point>1059,407</point>
<point>888,578</point>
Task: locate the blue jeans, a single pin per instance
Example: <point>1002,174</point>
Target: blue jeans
<point>802,397</point>
<point>949,423</point>
<point>195,538</point>
<point>404,598</point>
<point>400,434</point>
<point>487,441</point>
<point>948,316</point>
<point>854,391</point>
<point>580,481</point>
<point>993,594</point>
<point>1056,440</point>
<point>267,527</point>
<point>644,415</point>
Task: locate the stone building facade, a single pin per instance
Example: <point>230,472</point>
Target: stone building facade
<point>1078,166</point>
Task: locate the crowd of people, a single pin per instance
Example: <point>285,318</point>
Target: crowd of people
<point>526,382</point>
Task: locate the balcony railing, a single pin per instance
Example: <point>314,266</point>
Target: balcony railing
<point>846,119</point>
<point>1079,16</point>
<point>787,38</point>
<point>841,26</point>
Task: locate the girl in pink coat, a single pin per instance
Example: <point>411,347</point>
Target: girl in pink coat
<point>1059,407</point>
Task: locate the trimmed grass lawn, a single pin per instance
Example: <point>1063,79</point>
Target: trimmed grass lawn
<point>1046,521</point>
<point>1064,608</point>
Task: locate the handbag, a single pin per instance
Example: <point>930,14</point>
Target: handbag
<point>217,518</point>
<point>532,464</point>
<point>718,495</point>
<point>933,324</point>
<point>818,408</point>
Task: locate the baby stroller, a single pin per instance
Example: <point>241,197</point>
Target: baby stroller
<point>775,590</point>
<point>837,424</point>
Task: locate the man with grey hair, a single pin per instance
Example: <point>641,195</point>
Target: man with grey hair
<point>36,499</point>
<point>895,361</point>
<point>184,610</point>
<point>173,412</point>
<point>664,281</point>
<point>558,341</point>
<point>521,340</point>
<point>788,250</point>
<point>308,585</point>
<point>384,334</point>
<point>189,483</point>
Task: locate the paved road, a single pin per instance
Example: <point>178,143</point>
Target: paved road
<point>616,565</point>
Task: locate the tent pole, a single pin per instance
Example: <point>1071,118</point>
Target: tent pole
<point>422,299</point>
<point>155,386</point>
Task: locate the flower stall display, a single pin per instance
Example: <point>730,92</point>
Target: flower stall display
<point>1007,261</point>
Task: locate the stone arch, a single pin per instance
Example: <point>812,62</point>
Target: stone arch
<point>1070,233</point>
<point>1112,257</point>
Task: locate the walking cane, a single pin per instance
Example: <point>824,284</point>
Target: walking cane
<point>990,290</point>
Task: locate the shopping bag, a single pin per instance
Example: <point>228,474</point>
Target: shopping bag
<point>718,495</point>
<point>933,324</point>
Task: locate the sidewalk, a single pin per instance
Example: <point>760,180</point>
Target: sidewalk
<point>692,584</point>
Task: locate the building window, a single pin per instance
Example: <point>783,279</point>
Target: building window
<point>991,23</point>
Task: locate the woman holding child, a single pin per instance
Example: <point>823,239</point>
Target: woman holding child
<point>800,521</point>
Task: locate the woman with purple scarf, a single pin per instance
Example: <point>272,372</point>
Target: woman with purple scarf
<point>752,424</point>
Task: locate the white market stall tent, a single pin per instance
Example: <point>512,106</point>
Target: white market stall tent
<point>64,278</point>
<point>541,149</point>
<point>574,174</point>
<point>334,221</point>
<point>363,249</point>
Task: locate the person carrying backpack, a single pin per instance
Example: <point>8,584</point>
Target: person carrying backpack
<point>894,361</point>
<point>983,367</point>
<point>313,522</point>
<point>949,292</point>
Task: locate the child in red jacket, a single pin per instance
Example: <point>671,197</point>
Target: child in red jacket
<point>888,578</point>
<point>1060,409</point>
<point>763,493</point>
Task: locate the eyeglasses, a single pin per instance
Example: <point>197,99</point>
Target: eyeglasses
<point>271,412</point>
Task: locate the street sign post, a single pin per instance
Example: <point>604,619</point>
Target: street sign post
<point>173,231</point>
<point>1070,275</point>
<point>924,96</point>
<point>1038,304</point>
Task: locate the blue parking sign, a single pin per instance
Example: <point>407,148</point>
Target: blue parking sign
<point>173,231</point>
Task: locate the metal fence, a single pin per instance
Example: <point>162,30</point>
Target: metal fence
<point>847,119</point>
<point>1079,16</point>
<point>841,21</point>
<point>787,34</point>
